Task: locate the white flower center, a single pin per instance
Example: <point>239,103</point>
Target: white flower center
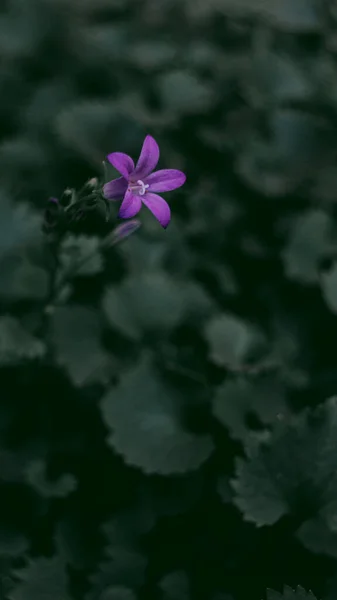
<point>140,184</point>
<point>143,186</point>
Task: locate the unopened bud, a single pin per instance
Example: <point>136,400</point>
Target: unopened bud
<point>123,231</point>
<point>67,197</point>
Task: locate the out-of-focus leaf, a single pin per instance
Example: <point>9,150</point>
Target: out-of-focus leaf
<point>300,16</point>
<point>143,417</point>
<point>42,578</point>
<point>36,477</point>
<point>235,400</point>
<point>20,226</point>
<point>318,537</point>
<point>310,240</point>
<point>46,103</point>
<point>153,301</point>
<point>148,54</point>
<point>117,592</point>
<point>81,255</point>
<point>274,78</point>
<point>293,471</point>
<point>93,130</point>
<point>298,143</point>
<point>124,563</point>
<point>76,335</point>
<point>17,344</point>
<point>175,586</point>
<point>108,42</point>
<point>289,594</point>
<point>329,287</point>
<point>233,342</point>
<point>21,280</point>
<point>183,92</point>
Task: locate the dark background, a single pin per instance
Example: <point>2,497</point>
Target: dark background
<point>164,430</point>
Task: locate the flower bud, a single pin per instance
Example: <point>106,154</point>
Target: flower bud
<point>123,231</point>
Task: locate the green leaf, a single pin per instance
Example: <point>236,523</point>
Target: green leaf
<point>16,344</point>
<point>310,239</point>
<point>273,78</point>
<point>89,128</point>
<point>183,92</point>
<point>80,254</point>
<point>235,400</point>
<point>298,16</point>
<point>124,563</point>
<point>143,417</point>
<point>289,594</point>
<point>153,301</point>
<point>21,280</point>
<point>317,536</point>
<point>19,226</point>
<point>293,471</point>
<point>328,282</point>
<point>76,336</point>
<point>42,578</point>
<point>298,143</point>
<point>175,586</point>
<point>232,341</point>
<point>36,477</point>
<point>152,54</point>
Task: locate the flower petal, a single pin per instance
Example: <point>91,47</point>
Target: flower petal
<point>122,162</point>
<point>115,189</point>
<point>148,158</point>
<point>130,206</point>
<point>159,208</point>
<point>165,180</point>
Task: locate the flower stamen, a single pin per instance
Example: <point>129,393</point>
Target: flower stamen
<point>143,186</point>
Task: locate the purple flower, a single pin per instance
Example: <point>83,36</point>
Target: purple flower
<point>138,183</point>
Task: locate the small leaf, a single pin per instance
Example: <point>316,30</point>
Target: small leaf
<point>143,417</point>
<point>16,344</point>
<point>233,342</point>
<point>309,240</point>
<point>316,535</point>
<point>36,477</point>
<point>175,586</point>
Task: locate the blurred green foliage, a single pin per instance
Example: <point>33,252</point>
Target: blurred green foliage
<point>167,412</point>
